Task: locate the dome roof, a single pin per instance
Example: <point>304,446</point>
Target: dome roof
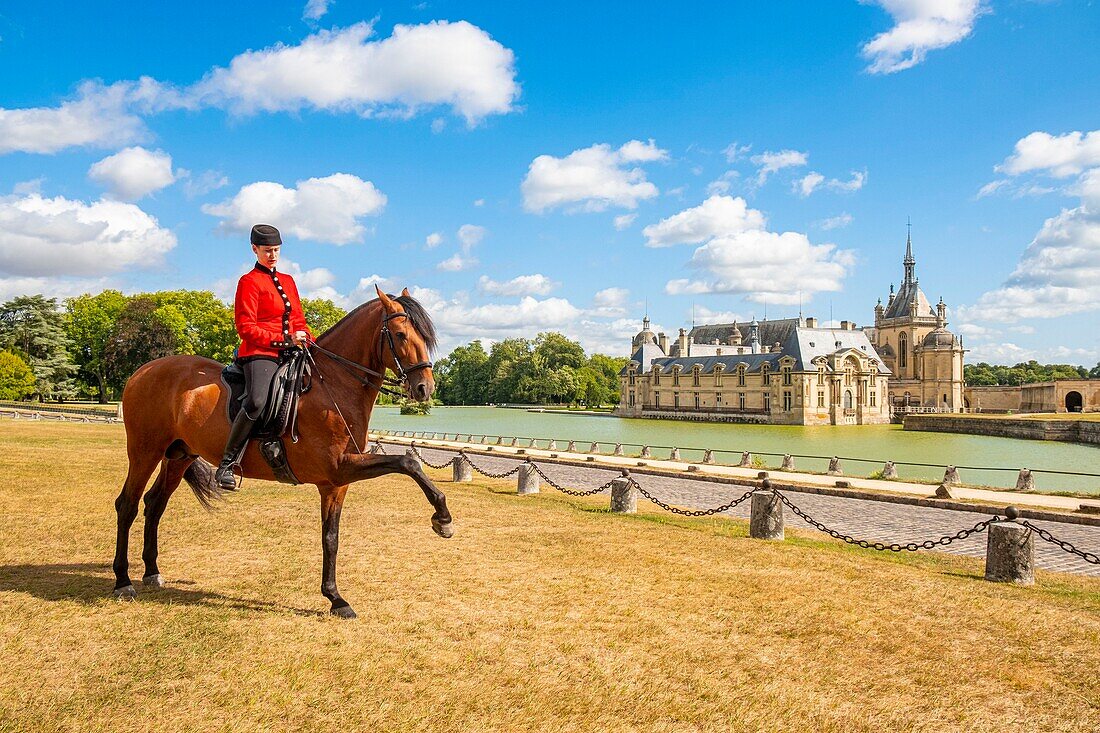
<point>940,338</point>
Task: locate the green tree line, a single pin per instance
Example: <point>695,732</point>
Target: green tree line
<point>988,375</point>
<point>549,369</point>
<point>88,346</point>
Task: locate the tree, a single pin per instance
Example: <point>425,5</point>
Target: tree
<point>90,321</point>
<point>1030,372</point>
<point>321,314</point>
<point>33,327</point>
<point>17,381</point>
<point>508,366</point>
<point>558,351</point>
<point>463,376</point>
<point>202,323</point>
<point>140,334</point>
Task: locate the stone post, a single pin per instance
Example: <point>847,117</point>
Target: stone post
<point>624,497</point>
<point>788,463</point>
<point>572,447</point>
<point>646,453</point>
<point>951,476</point>
<point>746,460</point>
<point>834,466</point>
<point>708,456</point>
<point>674,455</point>
<point>553,445</point>
<point>1025,481</point>
<point>462,471</point>
<point>889,470</point>
<point>500,440</point>
<point>618,449</point>
<point>1010,552</point>
<point>766,519</point>
<point>595,448</point>
<point>528,480</point>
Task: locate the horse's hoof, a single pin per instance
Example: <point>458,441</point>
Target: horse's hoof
<point>129,593</point>
<point>345,612</point>
<point>445,530</point>
<point>153,581</point>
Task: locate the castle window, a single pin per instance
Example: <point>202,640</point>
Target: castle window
<point>873,395</point>
<point>718,375</point>
<point>788,401</point>
<point>675,399</point>
<point>766,371</point>
<point>767,402</point>
<point>676,376</point>
<point>821,375</point>
<point>630,376</point>
<point>821,398</point>
<point>741,376</point>
<point>696,400</point>
<point>741,401</point>
<point>903,351</point>
<point>717,399</point>
<point>632,399</point>
<point>656,375</point>
<point>695,377</point>
<point>656,399</point>
<point>787,376</point>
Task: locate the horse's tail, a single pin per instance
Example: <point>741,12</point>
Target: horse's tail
<point>200,477</point>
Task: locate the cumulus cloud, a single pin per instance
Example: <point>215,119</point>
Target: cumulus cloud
<point>58,236</point>
<point>99,117</point>
<point>419,66</point>
<point>770,162</point>
<point>723,183</point>
<point>717,216</point>
<point>433,240</point>
<point>536,284</point>
<point>591,179</point>
<point>610,302</point>
<point>920,26</point>
<point>328,209</point>
<point>1058,272</point>
<point>813,180</point>
<point>735,151</point>
<point>315,9</point>
<point>765,266</point>
<point>470,235</point>
<point>204,183</point>
<point>624,221</point>
<point>456,263</point>
<point>133,173</point>
<point>806,185</point>
<point>836,222</point>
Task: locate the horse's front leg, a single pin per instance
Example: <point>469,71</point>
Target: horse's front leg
<point>368,466</point>
<point>332,501</point>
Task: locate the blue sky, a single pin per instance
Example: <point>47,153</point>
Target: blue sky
<point>525,168</point>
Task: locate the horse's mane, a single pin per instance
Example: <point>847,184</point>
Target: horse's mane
<point>421,321</point>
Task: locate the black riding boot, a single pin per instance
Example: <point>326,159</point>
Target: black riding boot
<point>238,437</point>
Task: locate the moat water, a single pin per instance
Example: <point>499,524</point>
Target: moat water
<point>874,443</point>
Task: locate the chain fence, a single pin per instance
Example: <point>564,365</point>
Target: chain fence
<point>765,484</point>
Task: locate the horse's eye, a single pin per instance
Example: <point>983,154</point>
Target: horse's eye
<point>402,337</point>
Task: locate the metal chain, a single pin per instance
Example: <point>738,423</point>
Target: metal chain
<point>564,490</point>
<point>962,534</point>
<point>425,461</point>
<point>691,512</point>
<point>1089,557</point>
<point>483,472</point>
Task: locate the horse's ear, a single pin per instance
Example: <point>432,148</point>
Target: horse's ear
<point>405,292</point>
<point>387,301</point>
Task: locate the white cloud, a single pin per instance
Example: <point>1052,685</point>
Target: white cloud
<point>433,240</point>
<point>771,162</point>
<point>702,313</point>
<point>58,236</point>
<point>326,209</point>
<point>591,179</point>
<point>836,222</point>
<point>479,202</point>
<point>536,284</point>
<point>98,117</point>
<point>920,26</point>
<point>994,352</point>
<point>1058,272</point>
<point>610,302</point>
<point>852,184</point>
<point>456,263</point>
<point>992,187</point>
<point>470,235</point>
<point>717,216</point>
<point>204,183</point>
<point>34,185</point>
<point>723,183</point>
<point>418,66</point>
<point>735,152</point>
<point>624,221</point>
<point>51,287</point>
<point>133,173</point>
<point>1060,156</point>
<point>805,186</point>
<point>765,266</point>
<point>315,9</point>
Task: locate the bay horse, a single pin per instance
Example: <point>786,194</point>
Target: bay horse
<point>174,410</point>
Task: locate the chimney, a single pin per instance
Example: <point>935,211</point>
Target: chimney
<point>682,343</point>
<point>811,322</point>
<point>844,325</point>
<point>662,341</point>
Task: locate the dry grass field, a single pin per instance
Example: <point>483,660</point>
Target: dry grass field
<point>543,613</point>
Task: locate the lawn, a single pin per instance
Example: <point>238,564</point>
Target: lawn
<point>544,613</point>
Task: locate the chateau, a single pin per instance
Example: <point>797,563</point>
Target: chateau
<point>794,372</point>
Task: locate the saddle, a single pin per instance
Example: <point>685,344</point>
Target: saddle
<point>279,417</point>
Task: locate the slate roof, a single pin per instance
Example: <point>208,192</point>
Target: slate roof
<point>810,343</point>
<point>771,332</point>
<point>899,306</point>
<point>644,356</point>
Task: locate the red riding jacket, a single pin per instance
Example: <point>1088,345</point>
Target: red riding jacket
<point>267,312</point>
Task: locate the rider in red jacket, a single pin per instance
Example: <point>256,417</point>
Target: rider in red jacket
<point>269,320</point>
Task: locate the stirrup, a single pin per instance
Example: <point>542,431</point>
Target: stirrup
<point>224,485</point>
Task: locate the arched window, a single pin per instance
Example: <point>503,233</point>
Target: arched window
<point>656,375</point>
<point>903,351</point>
<point>676,376</point>
<point>766,371</point>
<point>630,376</point>
<point>847,399</point>
<point>741,376</point>
<point>718,369</point>
<point>695,376</point>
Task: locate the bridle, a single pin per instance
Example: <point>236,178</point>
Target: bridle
<point>385,383</point>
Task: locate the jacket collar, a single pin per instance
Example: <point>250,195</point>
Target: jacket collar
<point>261,268</point>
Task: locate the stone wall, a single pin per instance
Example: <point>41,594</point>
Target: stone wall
<point>993,399</point>
<point>1072,431</point>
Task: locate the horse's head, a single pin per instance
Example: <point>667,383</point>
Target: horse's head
<point>409,345</point>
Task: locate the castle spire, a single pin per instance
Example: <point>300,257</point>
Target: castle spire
<point>910,262</point>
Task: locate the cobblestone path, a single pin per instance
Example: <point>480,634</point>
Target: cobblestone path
<point>860,518</point>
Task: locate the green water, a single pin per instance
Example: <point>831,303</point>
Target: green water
<point>877,443</point>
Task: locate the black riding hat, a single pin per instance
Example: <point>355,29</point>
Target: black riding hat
<point>265,235</point>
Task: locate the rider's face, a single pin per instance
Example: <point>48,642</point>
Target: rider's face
<point>266,256</point>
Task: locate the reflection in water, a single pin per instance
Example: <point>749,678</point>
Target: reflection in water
<point>877,443</point>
